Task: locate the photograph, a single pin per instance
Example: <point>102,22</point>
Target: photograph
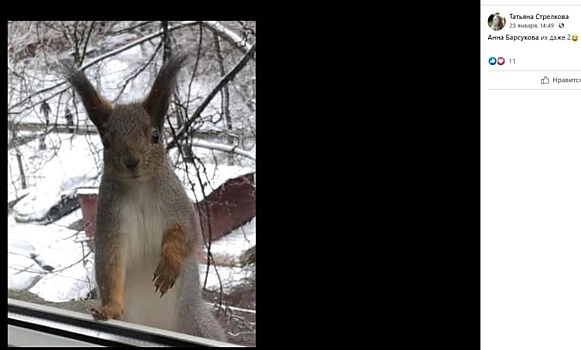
<point>132,180</point>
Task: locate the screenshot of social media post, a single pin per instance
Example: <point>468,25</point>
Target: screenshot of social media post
<point>530,174</point>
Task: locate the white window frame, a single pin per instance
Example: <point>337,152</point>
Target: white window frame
<point>30,324</point>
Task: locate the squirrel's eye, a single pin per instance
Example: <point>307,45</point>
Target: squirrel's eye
<point>154,136</point>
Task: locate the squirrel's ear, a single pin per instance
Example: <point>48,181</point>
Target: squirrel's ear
<point>97,108</point>
<point>157,102</point>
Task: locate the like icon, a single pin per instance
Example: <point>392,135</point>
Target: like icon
<point>500,61</point>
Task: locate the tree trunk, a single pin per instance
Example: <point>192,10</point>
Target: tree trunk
<point>166,41</point>
<point>21,169</point>
<point>225,98</point>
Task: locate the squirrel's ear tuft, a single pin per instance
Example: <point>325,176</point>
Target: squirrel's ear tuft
<point>157,102</point>
<point>97,108</point>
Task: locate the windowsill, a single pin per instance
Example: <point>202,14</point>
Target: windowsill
<point>30,324</point>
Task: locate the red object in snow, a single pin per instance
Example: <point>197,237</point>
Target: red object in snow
<point>88,201</point>
<point>229,206</point>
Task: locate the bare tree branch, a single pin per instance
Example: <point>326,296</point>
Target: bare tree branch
<point>225,96</point>
<point>228,35</point>
<point>182,131</point>
<point>87,38</point>
<point>136,42</point>
<point>221,147</point>
<point>129,29</point>
<point>138,71</point>
<point>98,59</point>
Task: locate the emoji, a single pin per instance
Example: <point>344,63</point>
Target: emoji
<point>492,61</point>
<point>500,61</point>
<point>574,37</point>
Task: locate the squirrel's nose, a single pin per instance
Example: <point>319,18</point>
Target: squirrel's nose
<point>130,161</point>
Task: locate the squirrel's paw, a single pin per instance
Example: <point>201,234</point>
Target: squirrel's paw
<point>164,276</point>
<point>111,311</point>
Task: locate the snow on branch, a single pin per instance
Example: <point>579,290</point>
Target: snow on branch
<point>222,147</point>
<point>228,35</point>
<point>225,79</point>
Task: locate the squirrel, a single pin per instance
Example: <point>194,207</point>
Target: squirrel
<point>147,226</point>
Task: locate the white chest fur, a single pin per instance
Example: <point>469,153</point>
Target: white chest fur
<point>143,220</point>
<point>142,225</point>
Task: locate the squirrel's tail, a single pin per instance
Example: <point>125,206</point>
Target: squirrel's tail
<point>195,316</point>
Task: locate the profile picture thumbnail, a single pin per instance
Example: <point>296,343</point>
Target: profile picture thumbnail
<point>496,21</point>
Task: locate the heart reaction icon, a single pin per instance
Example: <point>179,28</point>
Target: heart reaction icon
<point>500,60</point>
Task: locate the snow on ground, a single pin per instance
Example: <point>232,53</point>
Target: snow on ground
<point>230,277</point>
<point>48,172</point>
<point>73,274</point>
<point>54,248</point>
<point>230,246</point>
<point>23,271</point>
<point>68,220</point>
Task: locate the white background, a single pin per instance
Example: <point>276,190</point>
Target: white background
<point>530,187</point>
